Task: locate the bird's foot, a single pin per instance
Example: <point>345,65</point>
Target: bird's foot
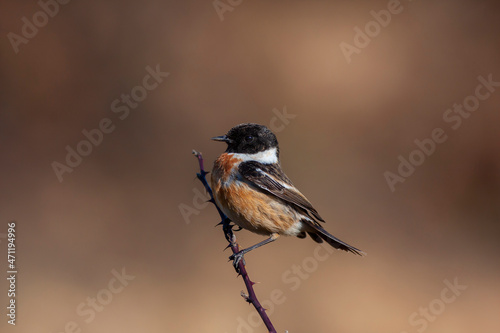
<point>237,258</point>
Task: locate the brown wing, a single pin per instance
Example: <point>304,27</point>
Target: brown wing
<point>270,178</point>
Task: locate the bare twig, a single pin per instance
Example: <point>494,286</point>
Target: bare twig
<point>227,227</point>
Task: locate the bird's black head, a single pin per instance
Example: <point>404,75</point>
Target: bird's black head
<point>249,139</point>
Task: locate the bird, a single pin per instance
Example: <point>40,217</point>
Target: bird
<point>252,190</point>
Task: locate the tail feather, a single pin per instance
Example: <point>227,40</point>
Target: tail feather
<point>332,240</point>
<point>315,237</point>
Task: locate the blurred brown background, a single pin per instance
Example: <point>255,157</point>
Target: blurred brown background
<point>121,207</point>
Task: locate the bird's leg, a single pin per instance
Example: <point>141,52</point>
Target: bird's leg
<point>227,227</point>
<point>237,257</point>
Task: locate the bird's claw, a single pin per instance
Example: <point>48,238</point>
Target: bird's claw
<point>237,258</point>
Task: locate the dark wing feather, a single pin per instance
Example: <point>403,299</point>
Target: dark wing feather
<point>270,178</point>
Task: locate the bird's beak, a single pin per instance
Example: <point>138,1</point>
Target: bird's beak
<point>222,138</point>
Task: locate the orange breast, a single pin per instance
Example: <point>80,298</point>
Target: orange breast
<point>249,207</point>
<point>223,167</point>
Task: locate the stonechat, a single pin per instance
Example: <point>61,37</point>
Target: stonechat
<point>252,190</point>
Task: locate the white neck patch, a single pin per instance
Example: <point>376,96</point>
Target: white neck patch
<point>269,156</point>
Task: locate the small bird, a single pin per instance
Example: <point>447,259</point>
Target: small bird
<point>252,190</point>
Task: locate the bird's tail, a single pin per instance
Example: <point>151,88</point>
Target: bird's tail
<point>319,234</point>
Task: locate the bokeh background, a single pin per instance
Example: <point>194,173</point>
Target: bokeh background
<point>121,208</point>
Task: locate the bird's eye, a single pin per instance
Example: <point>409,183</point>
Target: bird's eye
<point>248,138</point>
